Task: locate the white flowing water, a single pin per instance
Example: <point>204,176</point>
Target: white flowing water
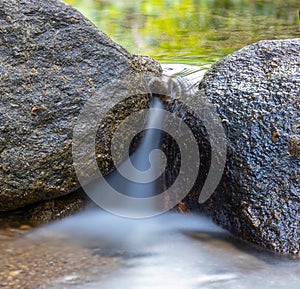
<point>170,251</point>
<point>140,173</point>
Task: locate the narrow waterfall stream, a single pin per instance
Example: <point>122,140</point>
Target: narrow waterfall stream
<point>130,190</point>
<point>169,251</point>
<point>140,172</point>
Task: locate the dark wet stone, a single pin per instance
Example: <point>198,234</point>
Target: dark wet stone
<point>256,92</point>
<point>52,60</point>
<point>46,211</point>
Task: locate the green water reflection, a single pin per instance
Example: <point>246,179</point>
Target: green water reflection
<point>191,31</point>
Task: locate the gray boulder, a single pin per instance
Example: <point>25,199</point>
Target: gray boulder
<point>52,60</point>
<point>256,92</point>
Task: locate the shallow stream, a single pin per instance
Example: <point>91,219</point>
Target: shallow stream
<point>189,251</point>
<point>169,251</point>
<point>98,250</point>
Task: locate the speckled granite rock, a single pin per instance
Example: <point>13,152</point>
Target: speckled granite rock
<point>46,211</point>
<point>52,60</point>
<point>257,94</point>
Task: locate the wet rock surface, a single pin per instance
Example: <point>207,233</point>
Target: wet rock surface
<point>46,211</point>
<point>257,95</point>
<point>52,60</point>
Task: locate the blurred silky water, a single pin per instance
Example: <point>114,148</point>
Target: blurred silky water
<point>168,251</point>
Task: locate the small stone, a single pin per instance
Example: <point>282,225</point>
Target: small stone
<point>10,230</point>
<point>19,251</point>
<point>25,227</point>
<point>14,273</point>
<point>8,19</point>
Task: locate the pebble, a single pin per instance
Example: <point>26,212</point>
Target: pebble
<point>14,273</point>
<point>25,227</point>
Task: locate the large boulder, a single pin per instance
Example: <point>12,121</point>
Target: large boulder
<point>52,60</point>
<point>256,92</point>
